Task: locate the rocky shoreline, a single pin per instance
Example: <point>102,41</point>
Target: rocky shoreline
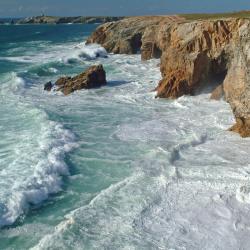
<point>195,55</point>
<point>62,20</point>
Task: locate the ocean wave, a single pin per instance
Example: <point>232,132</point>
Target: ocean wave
<point>32,161</point>
<point>82,51</point>
<point>63,53</point>
<point>46,174</point>
<point>11,83</point>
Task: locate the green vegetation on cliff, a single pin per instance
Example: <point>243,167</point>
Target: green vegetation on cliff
<point>206,16</point>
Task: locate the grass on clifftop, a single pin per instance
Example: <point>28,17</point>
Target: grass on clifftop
<point>241,14</point>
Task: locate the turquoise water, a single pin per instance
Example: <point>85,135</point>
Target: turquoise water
<point>111,168</point>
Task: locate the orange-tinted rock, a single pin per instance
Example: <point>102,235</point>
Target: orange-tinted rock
<point>93,77</point>
<point>217,93</point>
<point>242,127</point>
<point>128,35</point>
<point>62,81</point>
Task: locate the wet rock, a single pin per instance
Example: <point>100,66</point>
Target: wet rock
<point>93,77</point>
<point>48,86</point>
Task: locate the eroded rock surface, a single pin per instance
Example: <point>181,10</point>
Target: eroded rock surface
<point>127,36</point>
<point>193,54</point>
<point>93,77</point>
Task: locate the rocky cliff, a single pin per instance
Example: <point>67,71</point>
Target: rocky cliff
<point>211,55</point>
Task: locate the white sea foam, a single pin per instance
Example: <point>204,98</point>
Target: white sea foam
<point>82,51</point>
<point>34,167</point>
<point>185,189</point>
<point>44,174</point>
<point>64,53</point>
<point>243,194</point>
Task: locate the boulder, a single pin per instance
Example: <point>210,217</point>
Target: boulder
<point>93,77</point>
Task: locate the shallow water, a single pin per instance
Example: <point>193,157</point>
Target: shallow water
<point>112,168</point>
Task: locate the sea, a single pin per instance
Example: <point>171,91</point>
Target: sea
<point>112,168</point>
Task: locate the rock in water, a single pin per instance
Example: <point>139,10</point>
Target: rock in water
<point>48,86</point>
<point>93,77</point>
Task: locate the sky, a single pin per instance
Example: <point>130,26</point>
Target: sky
<point>23,8</point>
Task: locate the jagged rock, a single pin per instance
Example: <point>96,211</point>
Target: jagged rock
<point>193,53</point>
<point>93,77</point>
<point>48,86</point>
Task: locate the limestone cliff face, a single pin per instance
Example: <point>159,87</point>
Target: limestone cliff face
<point>194,55</point>
<point>126,36</point>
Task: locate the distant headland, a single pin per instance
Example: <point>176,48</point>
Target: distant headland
<point>60,20</point>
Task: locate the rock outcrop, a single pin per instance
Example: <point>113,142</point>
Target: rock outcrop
<point>194,55</point>
<point>93,77</point>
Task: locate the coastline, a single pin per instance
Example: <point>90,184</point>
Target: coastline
<point>139,166</point>
<point>195,55</point>
<point>59,20</point>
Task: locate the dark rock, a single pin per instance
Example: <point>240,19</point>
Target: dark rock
<point>93,77</point>
<point>48,86</point>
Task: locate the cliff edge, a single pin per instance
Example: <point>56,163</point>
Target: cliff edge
<point>197,55</point>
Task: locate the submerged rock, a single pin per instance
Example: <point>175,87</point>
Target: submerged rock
<point>93,77</point>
